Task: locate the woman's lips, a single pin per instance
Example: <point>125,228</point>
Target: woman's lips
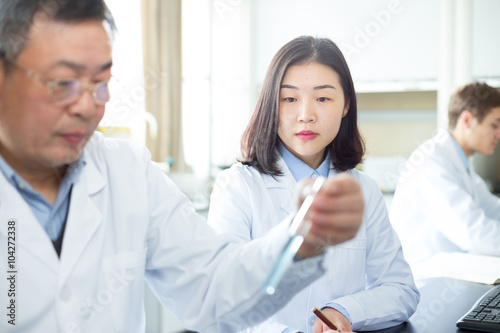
<point>307,135</point>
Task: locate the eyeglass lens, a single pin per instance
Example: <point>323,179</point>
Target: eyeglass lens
<point>101,93</point>
<point>67,91</point>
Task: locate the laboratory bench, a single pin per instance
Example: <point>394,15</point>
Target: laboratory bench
<point>442,302</point>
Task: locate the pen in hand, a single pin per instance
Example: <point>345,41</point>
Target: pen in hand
<point>324,319</point>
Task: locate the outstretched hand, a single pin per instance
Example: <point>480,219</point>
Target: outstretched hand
<point>335,214</point>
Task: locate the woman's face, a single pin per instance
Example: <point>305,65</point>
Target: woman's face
<point>310,110</point>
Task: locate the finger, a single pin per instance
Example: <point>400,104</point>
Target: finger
<point>342,183</point>
<point>320,327</point>
<point>342,220</point>
<point>331,197</point>
<point>340,202</point>
<point>346,227</point>
<point>317,328</point>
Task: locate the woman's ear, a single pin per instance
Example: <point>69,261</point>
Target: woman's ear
<point>346,110</point>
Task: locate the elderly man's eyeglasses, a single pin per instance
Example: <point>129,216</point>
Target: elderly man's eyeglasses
<point>65,92</point>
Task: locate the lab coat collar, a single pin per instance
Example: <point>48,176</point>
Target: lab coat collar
<point>84,218</point>
<point>461,153</point>
<point>448,143</point>
<point>288,183</point>
<point>451,150</point>
<point>30,234</point>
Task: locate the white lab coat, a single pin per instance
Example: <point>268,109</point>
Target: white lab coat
<point>366,275</point>
<point>128,222</point>
<point>440,207</point>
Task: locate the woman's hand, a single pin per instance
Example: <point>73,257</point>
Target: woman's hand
<point>335,317</point>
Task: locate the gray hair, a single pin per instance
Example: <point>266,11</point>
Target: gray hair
<point>19,17</point>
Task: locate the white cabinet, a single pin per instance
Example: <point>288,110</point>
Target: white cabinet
<point>383,41</point>
<point>389,44</point>
<point>486,40</point>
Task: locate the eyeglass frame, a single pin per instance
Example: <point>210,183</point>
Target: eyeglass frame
<point>53,83</point>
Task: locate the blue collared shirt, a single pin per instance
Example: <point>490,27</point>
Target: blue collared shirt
<point>51,217</point>
<point>461,153</point>
<point>300,171</point>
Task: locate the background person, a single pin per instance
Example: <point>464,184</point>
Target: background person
<point>91,218</point>
<point>305,125</point>
<point>440,203</point>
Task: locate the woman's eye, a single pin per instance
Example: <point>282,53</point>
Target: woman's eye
<point>289,99</point>
<point>323,99</point>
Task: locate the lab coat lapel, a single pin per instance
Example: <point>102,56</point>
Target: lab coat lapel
<point>84,218</point>
<point>457,161</point>
<point>472,187</point>
<point>287,183</point>
<point>30,234</point>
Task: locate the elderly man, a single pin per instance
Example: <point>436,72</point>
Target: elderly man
<point>84,219</point>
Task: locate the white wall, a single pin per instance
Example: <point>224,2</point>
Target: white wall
<point>485,42</point>
<point>127,105</point>
<point>383,40</point>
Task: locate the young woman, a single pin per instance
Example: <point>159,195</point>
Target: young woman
<point>305,125</point>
